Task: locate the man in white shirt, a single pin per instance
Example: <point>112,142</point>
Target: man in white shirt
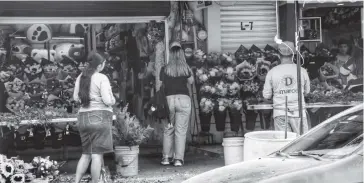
<point>281,82</point>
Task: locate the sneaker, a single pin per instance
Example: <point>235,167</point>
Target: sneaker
<point>178,163</point>
<point>166,161</point>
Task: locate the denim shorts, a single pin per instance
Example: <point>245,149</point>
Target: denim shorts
<point>95,129</point>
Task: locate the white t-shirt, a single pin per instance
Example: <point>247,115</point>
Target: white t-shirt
<point>280,82</point>
<point>101,94</point>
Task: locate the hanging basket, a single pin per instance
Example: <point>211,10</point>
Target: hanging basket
<point>205,121</point>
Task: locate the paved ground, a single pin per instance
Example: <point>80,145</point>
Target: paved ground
<point>150,170</point>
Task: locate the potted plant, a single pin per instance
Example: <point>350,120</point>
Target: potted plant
<point>128,134</point>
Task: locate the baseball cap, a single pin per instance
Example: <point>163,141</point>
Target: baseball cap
<point>175,44</point>
<point>284,48</point>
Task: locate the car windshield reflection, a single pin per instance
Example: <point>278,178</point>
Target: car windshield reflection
<point>335,140</point>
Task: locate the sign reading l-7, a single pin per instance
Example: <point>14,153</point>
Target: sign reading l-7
<point>246,26</point>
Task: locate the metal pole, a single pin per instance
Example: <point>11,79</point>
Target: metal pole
<point>286,119</point>
<point>299,85</point>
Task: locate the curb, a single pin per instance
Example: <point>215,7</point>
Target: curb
<point>198,150</point>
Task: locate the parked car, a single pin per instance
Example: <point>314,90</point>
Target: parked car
<point>332,152</point>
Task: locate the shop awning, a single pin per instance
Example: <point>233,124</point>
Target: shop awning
<point>84,8</point>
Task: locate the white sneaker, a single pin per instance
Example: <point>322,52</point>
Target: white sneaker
<point>178,163</point>
<point>166,161</point>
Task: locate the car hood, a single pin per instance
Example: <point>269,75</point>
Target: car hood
<point>256,170</point>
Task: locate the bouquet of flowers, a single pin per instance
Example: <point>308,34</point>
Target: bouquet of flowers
<point>206,105</point>
<point>228,59</point>
<point>329,70</point>
<point>250,86</point>
<point>255,51</point>
<point>233,89</point>
<point>202,75</point>
<point>45,168</point>
<point>213,59</point>
<point>199,58</point>
<point>15,170</point>
<point>128,130</point>
<point>221,89</point>
<point>236,104</point>
<point>215,73</point>
<point>207,90</point>
<point>222,104</point>
<point>230,74</point>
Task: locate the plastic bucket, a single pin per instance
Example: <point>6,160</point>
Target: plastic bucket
<point>233,150</point>
<point>262,143</point>
<point>127,160</point>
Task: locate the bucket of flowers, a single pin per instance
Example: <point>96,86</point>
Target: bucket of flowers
<point>235,114</point>
<point>220,113</point>
<point>128,134</point>
<point>206,108</point>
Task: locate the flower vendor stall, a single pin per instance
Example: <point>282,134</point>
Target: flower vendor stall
<point>42,53</point>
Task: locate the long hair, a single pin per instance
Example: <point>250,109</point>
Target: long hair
<point>94,60</point>
<point>177,65</point>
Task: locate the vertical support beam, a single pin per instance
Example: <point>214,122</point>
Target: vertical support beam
<point>93,39</point>
<point>166,37</point>
<point>213,26</point>
<point>299,83</point>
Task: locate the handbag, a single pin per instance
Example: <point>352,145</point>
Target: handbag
<point>159,104</point>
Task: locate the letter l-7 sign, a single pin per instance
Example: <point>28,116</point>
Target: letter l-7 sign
<point>246,26</point>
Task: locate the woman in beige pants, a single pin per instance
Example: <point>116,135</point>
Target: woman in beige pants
<point>175,76</point>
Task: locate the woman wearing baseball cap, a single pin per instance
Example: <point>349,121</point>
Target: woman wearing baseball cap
<point>175,77</point>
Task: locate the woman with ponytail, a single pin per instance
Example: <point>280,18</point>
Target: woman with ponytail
<point>93,91</point>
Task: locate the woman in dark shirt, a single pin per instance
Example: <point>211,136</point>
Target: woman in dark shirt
<point>175,76</point>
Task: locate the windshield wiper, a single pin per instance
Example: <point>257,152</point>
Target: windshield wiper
<point>280,153</point>
<point>303,153</point>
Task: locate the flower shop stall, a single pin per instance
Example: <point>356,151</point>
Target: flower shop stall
<point>41,57</point>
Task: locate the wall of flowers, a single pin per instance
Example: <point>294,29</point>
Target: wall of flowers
<point>227,82</point>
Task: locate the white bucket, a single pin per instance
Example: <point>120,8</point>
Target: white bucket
<point>233,150</point>
<point>262,143</point>
<point>127,160</point>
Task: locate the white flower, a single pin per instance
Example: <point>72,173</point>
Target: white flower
<point>213,90</point>
<point>229,70</point>
<point>221,108</point>
<point>203,100</point>
<point>208,102</point>
<point>7,169</point>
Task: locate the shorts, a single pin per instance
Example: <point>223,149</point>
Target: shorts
<point>95,129</point>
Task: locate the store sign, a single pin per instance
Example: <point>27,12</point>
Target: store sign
<point>246,25</point>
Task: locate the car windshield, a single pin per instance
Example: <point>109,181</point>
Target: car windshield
<point>334,140</point>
